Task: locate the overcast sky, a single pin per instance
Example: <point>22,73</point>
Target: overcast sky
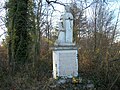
<point>2,18</point>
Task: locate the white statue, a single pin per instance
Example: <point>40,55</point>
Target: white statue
<point>66,28</point>
<point>68,22</point>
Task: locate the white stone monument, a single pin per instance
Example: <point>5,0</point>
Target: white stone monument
<point>65,61</point>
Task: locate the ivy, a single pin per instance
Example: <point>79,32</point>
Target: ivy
<point>18,31</point>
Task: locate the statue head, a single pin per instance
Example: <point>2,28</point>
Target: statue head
<point>67,8</point>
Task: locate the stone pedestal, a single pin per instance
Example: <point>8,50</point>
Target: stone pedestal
<point>65,61</point>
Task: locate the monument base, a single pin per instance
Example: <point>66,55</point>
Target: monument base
<point>65,62</point>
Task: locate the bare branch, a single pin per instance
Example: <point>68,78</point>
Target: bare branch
<point>114,81</point>
<point>2,25</point>
<point>3,34</point>
<point>116,24</point>
<point>89,5</point>
<point>56,2</point>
